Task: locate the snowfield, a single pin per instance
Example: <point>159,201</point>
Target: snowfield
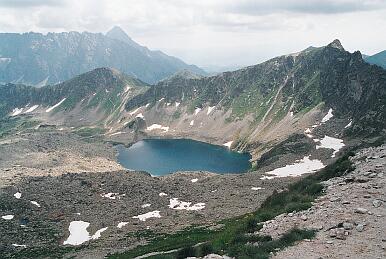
<point>182,205</point>
<point>328,116</point>
<point>79,234</point>
<point>228,144</point>
<point>151,214</point>
<point>157,126</point>
<point>303,166</point>
<point>332,143</point>
<point>56,105</point>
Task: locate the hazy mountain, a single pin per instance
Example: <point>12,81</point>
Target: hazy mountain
<point>377,59</point>
<point>38,59</point>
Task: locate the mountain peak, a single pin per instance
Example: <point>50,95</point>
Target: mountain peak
<point>336,44</point>
<point>118,33</point>
<point>185,74</point>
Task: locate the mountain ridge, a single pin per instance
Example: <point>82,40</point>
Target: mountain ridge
<point>377,59</point>
<point>39,59</point>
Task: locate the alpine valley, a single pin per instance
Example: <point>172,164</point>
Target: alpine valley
<point>314,123</point>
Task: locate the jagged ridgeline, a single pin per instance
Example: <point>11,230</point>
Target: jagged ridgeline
<point>40,59</point>
<point>293,83</point>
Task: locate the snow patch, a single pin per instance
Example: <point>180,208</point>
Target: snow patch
<point>228,144</point>
<point>112,195</point>
<point>162,194</point>
<point>134,112</point>
<point>140,116</point>
<point>7,217</point>
<point>328,116</point>
<point>194,180</point>
<point>36,204</point>
<point>331,143</point>
<point>348,125</point>
<point>196,111</point>
<point>116,133</point>
<point>182,205</point>
<point>177,104</point>
<point>157,126</point>
<point>32,109</point>
<point>122,224</point>
<point>16,245</point>
<point>191,123</point>
<point>151,214</point>
<point>56,105</point>
<point>257,188</point>
<point>127,89</point>
<point>168,104</point>
<point>303,166</point>
<point>17,195</point>
<point>146,205</point>
<point>78,233</point>
<point>210,109</point>
<point>16,111</point>
<point>98,233</point>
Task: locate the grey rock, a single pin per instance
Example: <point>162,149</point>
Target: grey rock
<point>348,225</point>
<point>341,233</point>
<point>361,210</point>
<point>377,203</point>
<point>360,227</point>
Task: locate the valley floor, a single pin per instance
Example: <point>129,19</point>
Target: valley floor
<point>62,177</point>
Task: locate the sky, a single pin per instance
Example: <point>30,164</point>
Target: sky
<point>207,33</point>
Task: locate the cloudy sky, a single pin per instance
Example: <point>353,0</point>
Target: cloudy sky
<point>212,32</point>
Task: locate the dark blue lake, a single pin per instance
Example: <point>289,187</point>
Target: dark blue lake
<point>164,156</point>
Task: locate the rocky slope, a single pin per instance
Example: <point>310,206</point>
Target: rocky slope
<point>349,217</point>
<point>37,59</point>
<point>256,106</point>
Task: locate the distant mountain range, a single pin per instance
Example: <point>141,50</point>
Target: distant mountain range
<point>38,59</point>
<point>377,59</point>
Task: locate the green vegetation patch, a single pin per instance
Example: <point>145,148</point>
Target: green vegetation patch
<point>89,131</point>
<point>10,125</point>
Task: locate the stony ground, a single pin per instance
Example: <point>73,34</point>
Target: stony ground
<point>350,217</point>
<point>68,177</point>
<point>43,153</point>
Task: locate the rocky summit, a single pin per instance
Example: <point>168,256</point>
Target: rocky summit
<point>314,123</point>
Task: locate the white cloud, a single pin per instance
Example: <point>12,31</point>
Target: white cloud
<point>218,32</point>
